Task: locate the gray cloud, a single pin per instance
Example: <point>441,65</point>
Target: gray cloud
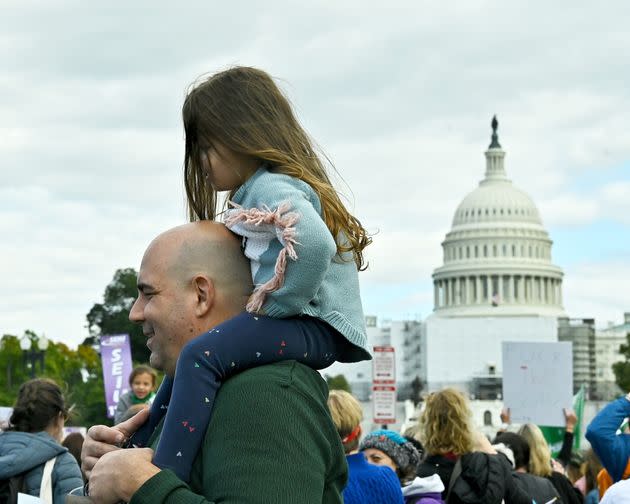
<point>399,95</point>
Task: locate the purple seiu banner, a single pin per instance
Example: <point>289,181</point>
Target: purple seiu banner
<point>117,366</point>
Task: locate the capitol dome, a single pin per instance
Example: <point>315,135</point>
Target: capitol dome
<point>497,255</point>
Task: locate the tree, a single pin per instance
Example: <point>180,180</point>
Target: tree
<point>417,386</point>
<point>78,373</point>
<point>338,382</point>
<point>12,364</point>
<point>622,369</point>
<point>112,316</point>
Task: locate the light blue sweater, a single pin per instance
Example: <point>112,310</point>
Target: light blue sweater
<point>319,283</point>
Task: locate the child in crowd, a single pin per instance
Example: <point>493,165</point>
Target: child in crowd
<point>142,381</point>
<point>367,483</point>
<point>304,246</point>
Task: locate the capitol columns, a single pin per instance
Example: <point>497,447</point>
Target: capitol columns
<point>436,298</point>
<point>478,291</point>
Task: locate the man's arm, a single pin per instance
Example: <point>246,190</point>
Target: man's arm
<point>612,449</point>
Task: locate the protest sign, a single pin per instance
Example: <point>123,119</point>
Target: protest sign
<point>537,381</point>
<point>117,366</point>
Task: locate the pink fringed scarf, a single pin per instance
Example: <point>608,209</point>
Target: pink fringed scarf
<point>284,223</point>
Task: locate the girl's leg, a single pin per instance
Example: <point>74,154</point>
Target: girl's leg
<point>240,343</point>
<point>158,410</point>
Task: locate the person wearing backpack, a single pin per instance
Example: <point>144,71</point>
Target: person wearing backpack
<point>32,460</point>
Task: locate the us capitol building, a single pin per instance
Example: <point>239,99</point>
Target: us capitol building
<point>497,283</point>
<point>497,256</point>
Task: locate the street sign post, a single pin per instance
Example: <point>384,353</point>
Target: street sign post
<point>384,385</point>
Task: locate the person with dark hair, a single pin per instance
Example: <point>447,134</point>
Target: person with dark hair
<point>33,441</point>
<point>539,489</point>
<point>389,449</point>
<point>74,443</point>
<point>142,381</point>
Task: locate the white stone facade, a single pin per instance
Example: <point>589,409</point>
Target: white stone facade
<point>459,349</point>
<point>607,343</point>
<point>406,338</point>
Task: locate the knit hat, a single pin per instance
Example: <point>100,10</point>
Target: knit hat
<point>396,447</point>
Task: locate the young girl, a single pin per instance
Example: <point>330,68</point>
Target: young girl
<point>142,382</point>
<point>304,246</point>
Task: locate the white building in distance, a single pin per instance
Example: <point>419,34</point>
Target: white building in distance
<point>607,343</point>
<point>406,338</point>
<point>497,284</point>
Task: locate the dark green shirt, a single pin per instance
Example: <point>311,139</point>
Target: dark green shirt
<point>271,440</point>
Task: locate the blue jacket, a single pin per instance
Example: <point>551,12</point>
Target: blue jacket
<point>369,483</point>
<point>24,452</point>
<point>612,449</point>
<point>318,283</point>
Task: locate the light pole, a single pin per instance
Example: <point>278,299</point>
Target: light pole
<point>33,350</point>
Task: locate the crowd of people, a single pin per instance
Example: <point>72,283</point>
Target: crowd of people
<point>444,459</point>
<point>240,308</point>
<point>441,459</point>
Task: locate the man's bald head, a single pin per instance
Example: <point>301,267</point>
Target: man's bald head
<point>207,248</point>
<point>191,279</point>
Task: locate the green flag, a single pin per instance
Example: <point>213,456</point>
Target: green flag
<point>555,435</point>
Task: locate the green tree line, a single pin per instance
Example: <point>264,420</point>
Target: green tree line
<point>78,371</point>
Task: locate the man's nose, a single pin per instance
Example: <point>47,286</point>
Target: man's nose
<point>135,314</point>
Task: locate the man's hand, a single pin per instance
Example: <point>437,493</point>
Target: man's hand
<point>570,419</point>
<point>101,439</point>
<point>118,474</point>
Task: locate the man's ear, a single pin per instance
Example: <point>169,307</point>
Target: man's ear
<point>204,292</point>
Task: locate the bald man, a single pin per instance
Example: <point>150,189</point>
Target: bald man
<point>270,439</point>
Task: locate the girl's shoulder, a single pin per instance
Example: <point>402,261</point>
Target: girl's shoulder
<point>264,177</point>
<point>268,187</point>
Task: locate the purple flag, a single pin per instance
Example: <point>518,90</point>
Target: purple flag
<point>117,366</point>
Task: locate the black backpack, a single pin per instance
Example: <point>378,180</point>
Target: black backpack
<point>10,487</point>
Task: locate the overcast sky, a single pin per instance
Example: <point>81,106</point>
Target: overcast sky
<point>398,94</point>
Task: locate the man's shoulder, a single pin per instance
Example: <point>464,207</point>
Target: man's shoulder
<point>284,374</point>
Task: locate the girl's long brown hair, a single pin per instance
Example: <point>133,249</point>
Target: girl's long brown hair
<point>243,109</point>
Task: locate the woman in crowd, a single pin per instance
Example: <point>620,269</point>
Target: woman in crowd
<point>539,489</point>
<point>468,466</point>
<point>389,449</point>
<point>367,483</point>
<point>446,433</point>
<point>541,464</point>
<point>33,439</point>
